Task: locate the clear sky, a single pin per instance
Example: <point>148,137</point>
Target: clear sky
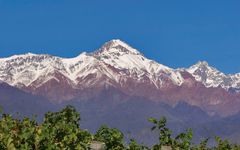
<point>177,33</point>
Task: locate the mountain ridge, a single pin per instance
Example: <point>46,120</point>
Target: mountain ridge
<point>110,51</point>
<point>116,64</point>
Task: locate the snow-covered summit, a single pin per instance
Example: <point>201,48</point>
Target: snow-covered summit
<point>119,54</point>
<point>122,56</point>
<point>212,77</point>
<point>116,47</point>
<point>25,69</point>
<point>201,67</point>
<point>115,60</point>
<point>209,76</point>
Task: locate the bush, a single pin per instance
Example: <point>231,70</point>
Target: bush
<point>61,130</point>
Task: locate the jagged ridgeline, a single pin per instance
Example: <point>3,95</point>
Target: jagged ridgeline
<point>62,130</point>
<point>117,85</point>
<point>117,65</point>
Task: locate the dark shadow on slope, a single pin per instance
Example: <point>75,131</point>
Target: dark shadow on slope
<point>14,101</point>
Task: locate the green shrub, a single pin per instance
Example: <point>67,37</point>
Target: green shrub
<point>61,131</point>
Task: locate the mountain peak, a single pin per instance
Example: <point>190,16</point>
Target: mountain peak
<point>202,66</point>
<point>117,46</point>
<point>202,63</point>
<point>209,76</point>
<point>26,55</point>
<point>117,42</point>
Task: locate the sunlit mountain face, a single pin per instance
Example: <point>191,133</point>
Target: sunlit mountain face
<point>119,86</point>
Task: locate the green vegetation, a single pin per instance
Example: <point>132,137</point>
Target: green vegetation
<point>61,131</point>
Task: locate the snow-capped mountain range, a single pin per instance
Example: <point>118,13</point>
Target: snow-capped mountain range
<point>118,65</point>
<point>23,70</point>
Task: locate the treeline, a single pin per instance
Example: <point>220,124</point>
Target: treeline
<point>61,131</point>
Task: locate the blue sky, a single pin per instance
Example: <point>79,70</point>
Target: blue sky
<point>172,32</point>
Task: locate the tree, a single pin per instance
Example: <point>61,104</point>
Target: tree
<point>164,133</point>
<point>222,144</point>
<point>112,137</point>
<point>61,130</point>
<point>133,145</point>
<point>202,145</point>
<point>17,134</point>
<point>181,141</point>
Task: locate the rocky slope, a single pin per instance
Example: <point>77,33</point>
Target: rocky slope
<point>117,65</point>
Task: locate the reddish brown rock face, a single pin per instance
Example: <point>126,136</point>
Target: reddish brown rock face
<point>118,66</point>
<point>213,100</point>
<point>58,88</point>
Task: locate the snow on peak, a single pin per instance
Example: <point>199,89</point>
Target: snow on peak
<point>18,56</point>
<point>75,59</point>
<point>27,68</point>
<point>202,66</point>
<point>120,55</point>
<point>212,77</point>
<point>202,63</point>
<point>117,47</point>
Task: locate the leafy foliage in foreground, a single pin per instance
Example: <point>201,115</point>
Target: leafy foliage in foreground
<point>61,131</point>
